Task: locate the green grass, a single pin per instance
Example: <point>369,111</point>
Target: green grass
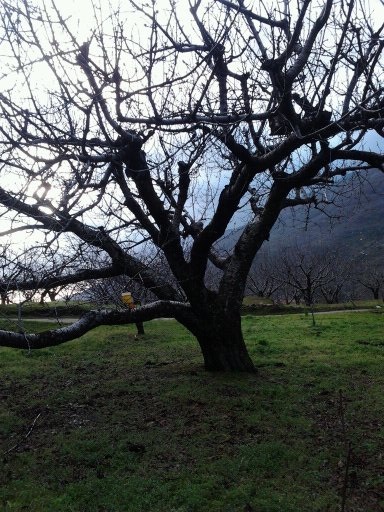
<point>48,309</point>
<point>258,306</point>
<point>110,423</point>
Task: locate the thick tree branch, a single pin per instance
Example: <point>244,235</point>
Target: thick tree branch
<point>304,54</point>
<point>91,320</point>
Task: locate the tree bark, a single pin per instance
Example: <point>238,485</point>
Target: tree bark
<point>140,328</point>
<point>222,344</point>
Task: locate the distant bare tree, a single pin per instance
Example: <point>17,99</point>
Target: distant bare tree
<point>372,279</point>
<point>263,279</point>
<point>301,273</point>
<point>308,272</point>
<point>335,288</point>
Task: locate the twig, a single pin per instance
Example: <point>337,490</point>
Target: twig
<point>346,478</point>
<point>313,316</point>
<point>348,448</point>
<point>57,317</point>
<point>26,435</point>
<point>342,416</point>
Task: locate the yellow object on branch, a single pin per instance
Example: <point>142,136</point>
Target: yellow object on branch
<point>128,299</point>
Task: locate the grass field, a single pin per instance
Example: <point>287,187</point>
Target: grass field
<point>258,306</point>
<point>109,423</point>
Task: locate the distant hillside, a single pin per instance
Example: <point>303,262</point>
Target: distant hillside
<point>356,226</point>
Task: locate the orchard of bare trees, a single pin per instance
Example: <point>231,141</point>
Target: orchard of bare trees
<point>149,129</point>
<point>309,275</point>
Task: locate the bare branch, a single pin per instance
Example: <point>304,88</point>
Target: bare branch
<point>89,321</point>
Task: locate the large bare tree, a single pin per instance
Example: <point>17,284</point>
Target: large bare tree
<point>167,123</point>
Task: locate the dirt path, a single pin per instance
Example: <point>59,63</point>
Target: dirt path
<point>62,320</point>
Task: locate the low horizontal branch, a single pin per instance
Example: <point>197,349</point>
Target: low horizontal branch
<point>91,320</point>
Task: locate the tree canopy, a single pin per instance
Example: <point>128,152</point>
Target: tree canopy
<point>150,134</point>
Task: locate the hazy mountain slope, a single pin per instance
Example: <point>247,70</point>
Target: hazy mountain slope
<point>356,227</point>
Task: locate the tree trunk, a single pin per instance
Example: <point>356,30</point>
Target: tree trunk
<point>140,328</point>
<point>222,343</point>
